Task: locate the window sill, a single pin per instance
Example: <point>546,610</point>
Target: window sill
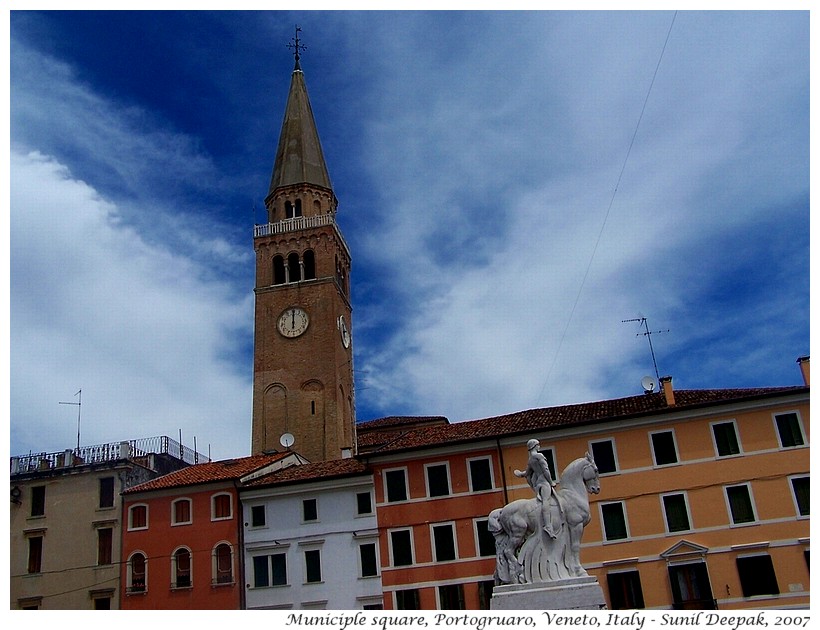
<point>182,588</point>
<point>219,584</point>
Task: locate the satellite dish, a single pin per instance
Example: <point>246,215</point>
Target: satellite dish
<point>287,440</point>
<point>648,384</point>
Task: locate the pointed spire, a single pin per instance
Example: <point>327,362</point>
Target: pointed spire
<point>299,157</point>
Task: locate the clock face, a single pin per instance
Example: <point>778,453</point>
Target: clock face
<point>293,322</point>
<point>344,332</point>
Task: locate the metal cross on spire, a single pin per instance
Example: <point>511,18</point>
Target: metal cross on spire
<point>296,46</point>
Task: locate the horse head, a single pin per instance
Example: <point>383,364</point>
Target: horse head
<point>590,475</point>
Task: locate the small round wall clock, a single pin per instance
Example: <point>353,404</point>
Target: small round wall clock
<point>293,322</point>
<point>344,332</point>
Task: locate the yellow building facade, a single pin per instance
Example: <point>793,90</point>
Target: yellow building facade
<point>704,500</point>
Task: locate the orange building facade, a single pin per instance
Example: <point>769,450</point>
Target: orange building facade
<point>704,499</point>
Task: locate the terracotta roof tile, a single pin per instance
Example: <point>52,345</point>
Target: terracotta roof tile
<point>225,470</point>
<point>568,415</point>
<point>311,472</point>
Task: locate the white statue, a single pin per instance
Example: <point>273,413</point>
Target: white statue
<point>539,539</point>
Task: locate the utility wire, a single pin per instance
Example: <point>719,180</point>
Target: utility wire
<point>606,216</point>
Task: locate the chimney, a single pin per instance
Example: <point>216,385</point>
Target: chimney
<point>668,392</point>
<point>804,368</point>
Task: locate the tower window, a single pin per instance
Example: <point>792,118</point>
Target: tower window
<point>278,270</point>
<point>309,262</point>
<point>289,211</point>
<point>294,268</point>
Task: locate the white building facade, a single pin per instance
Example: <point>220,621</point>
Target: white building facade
<point>311,540</point>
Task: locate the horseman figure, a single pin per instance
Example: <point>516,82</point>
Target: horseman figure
<point>539,478</point>
<point>539,539</point>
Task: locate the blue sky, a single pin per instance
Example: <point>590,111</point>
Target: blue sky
<point>475,156</point>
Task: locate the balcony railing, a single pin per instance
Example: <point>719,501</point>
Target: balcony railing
<point>111,452</point>
<point>299,223</point>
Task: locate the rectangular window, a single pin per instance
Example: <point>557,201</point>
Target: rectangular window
<point>270,570</point>
<point>35,554</point>
<point>138,517</point>
<point>438,480</point>
<point>107,492</point>
<point>789,430</point>
<point>484,538</point>
<point>757,576</point>
<point>408,599</point>
<point>603,452</point>
<point>279,569</point>
<point>613,516</point>
<point>625,592</point>
<point>481,474</point>
<point>726,442</point>
<point>261,573</point>
<point>395,482</point>
<point>485,594</point>
<point>310,511</point>
<point>739,499</point>
<point>691,589</point>
<point>364,503</point>
<point>444,542</point>
<point>38,501</point>
<point>102,603</point>
<point>313,566</point>
<point>105,544</point>
<point>451,597</point>
<point>222,506</point>
<point>676,512</point>
<point>401,547</point>
<point>664,450</point>
<point>800,488</point>
<point>369,563</point>
<point>549,455</point>
<point>257,516</point>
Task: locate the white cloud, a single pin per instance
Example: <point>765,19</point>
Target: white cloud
<point>140,329</point>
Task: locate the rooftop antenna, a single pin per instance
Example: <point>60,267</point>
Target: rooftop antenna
<point>79,404</point>
<point>296,46</point>
<point>648,335</point>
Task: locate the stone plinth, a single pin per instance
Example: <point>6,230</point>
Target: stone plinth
<point>582,593</point>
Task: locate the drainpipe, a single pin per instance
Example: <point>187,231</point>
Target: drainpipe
<point>240,577</point>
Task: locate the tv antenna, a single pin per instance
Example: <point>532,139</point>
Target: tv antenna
<point>648,334</point>
<point>79,404</point>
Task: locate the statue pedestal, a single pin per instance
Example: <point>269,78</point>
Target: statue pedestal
<point>582,593</point>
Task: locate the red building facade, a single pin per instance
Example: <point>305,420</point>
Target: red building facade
<point>181,544</point>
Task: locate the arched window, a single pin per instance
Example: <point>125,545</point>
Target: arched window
<point>137,573</point>
<point>278,270</point>
<point>288,210</point>
<point>181,512</point>
<point>221,507</point>
<point>294,270</point>
<point>181,568</point>
<point>138,517</point>
<point>297,211</point>
<point>309,264</point>
<point>223,564</point>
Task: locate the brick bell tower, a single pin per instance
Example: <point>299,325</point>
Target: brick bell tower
<point>303,352</point>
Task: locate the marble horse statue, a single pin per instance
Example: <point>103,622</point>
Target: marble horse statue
<point>539,539</point>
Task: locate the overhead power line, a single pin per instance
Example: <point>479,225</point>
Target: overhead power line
<point>606,216</point>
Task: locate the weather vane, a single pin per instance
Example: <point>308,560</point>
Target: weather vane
<point>296,45</point>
